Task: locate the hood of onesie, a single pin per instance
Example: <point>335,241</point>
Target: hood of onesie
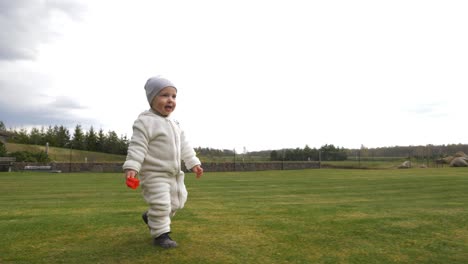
<point>154,85</point>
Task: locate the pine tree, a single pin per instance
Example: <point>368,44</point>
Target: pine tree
<point>101,141</point>
<point>91,140</point>
<point>62,136</point>
<point>78,141</point>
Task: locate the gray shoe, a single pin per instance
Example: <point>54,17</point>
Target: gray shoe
<point>144,216</point>
<point>165,241</point>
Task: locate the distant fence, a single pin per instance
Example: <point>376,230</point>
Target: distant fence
<point>70,167</point>
<point>207,167</point>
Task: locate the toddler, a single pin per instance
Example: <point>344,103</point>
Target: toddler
<point>156,149</point>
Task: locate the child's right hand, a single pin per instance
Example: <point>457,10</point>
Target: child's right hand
<point>130,174</point>
<point>131,179</point>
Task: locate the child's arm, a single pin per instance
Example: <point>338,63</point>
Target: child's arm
<point>189,156</point>
<point>198,171</point>
<point>138,148</point>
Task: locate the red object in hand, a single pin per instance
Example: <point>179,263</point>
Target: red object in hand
<point>133,182</point>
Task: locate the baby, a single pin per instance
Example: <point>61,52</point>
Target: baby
<point>156,149</point>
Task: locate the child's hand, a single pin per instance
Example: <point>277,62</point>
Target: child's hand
<point>130,174</point>
<point>131,181</point>
<point>198,171</point>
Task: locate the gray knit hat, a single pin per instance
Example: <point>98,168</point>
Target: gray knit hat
<point>154,85</point>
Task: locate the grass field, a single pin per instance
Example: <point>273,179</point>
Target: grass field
<point>304,216</point>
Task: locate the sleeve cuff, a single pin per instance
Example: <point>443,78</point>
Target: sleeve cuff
<point>192,162</point>
<point>131,165</point>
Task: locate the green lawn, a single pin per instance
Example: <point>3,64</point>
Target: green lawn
<point>304,216</point>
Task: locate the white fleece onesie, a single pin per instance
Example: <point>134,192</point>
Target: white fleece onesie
<point>156,149</point>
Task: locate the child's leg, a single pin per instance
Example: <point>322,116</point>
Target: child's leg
<point>157,195</point>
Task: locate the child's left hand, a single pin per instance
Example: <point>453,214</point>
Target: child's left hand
<point>198,171</point>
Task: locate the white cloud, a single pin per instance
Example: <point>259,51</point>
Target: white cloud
<point>259,74</point>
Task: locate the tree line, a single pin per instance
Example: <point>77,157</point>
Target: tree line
<point>332,153</point>
<point>325,153</point>
<point>110,142</point>
<point>211,152</point>
<point>61,137</point>
<point>427,151</point>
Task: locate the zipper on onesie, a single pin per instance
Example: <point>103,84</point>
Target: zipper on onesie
<point>177,157</point>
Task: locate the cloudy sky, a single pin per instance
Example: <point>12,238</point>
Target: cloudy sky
<point>259,74</point>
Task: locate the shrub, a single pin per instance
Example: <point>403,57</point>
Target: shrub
<point>26,156</point>
<point>3,151</point>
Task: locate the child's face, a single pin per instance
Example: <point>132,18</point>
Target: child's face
<point>165,102</point>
